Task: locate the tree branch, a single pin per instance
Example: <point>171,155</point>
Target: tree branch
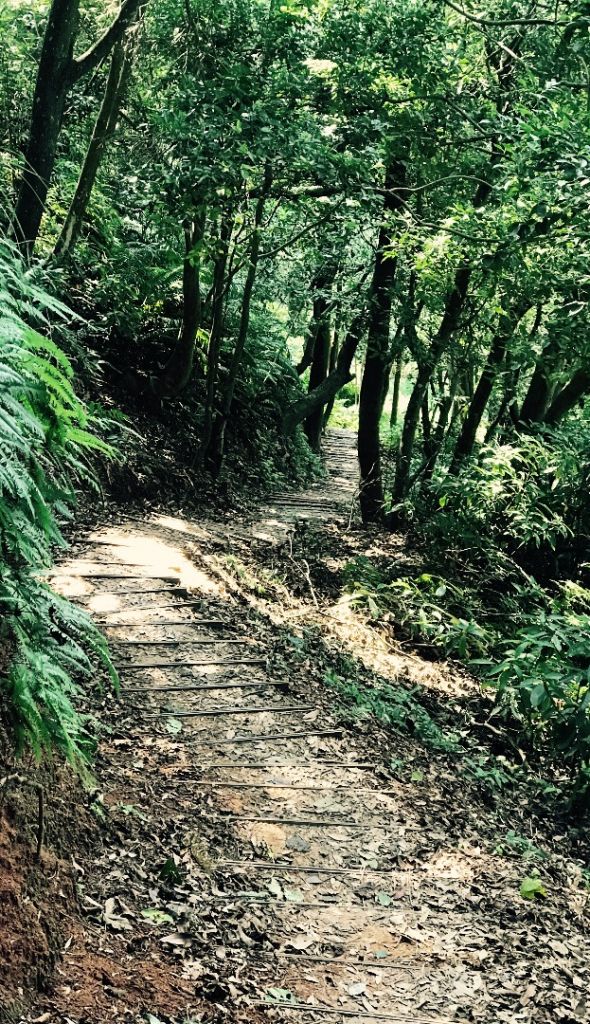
<point>504,22</point>
<point>102,47</point>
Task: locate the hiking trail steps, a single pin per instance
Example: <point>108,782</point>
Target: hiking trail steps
<point>339,915</point>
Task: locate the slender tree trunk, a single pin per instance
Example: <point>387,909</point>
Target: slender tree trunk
<point>540,389</point>
<point>397,381</point>
<point>334,348</point>
<point>104,129</point>
<point>378,359</point>
<point>57,72</point>
<point>214,455</point>
<point>322,282</point>
<point>321,351</point>
<point>512,375</point>
<point>51,91</point>
<point>319,371</point>
<point>179,368</point>
<point>216,332</point>
<point>509,319</point>
<point>439,433</point>
<point>450,321</point>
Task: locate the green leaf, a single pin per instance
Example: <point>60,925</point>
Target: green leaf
<point>280,995</point>
<point>383,898</point>
<point>169,871</point>
<point>157,916</point>
<point>532,888</point>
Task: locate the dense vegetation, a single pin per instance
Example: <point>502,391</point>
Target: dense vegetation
<point>48,645</point>
<point>269,214</point>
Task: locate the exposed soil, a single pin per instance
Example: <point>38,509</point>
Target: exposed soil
<point>37,901</point>
<point>251,851</point>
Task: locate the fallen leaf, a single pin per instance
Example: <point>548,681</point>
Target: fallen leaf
<point>293,895</point>
<point>298,843</point>
<point>177,939</point>
<point>357,989</point>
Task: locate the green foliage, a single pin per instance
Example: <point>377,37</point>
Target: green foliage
<point>543,682</point>
<point>45,442</point>
<point>390,705</point>
<point>532,888</point>
<point>491,773</point>
<point>426,608</point>
<point>517,497</point>
<point>520,846</point>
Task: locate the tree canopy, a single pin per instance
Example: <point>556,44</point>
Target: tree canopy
<point>273,215</point>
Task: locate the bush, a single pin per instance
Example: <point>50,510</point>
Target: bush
<point>426,608</point>
<point>543,681</point>
<point>45,440</point>
<point>515,502</point>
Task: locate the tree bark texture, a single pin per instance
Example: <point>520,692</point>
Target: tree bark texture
<point>378,359</point>
<point>455,301</point>
<point>104,129</point>
<point>329,388</point>
<point>509,319</point>
<point>216,332</point>
<point>214,455</point>
<point>178,371</point>
<point>57,72</point>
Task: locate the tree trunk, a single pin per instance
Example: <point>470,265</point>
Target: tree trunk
<point>104,129</point>
<point>214,454</point>
<point>179,368</point>
<point>216,332</point>
<point>334,349</point>
<point>568,397</point>
<point>321,351</point>
<point>397,381</point>
<point>509,319</point>
<point>321,283</point>
<point>57,72</point>
<point>51,90</point>
<point>454,304</point>
<point>504,413</point>
<point>540,389</point>
<point>378,358</point>
<point>538,396</point>
<point>319,371</point>
<point>329,388</point>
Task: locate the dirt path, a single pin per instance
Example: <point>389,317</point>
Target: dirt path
<point>266,863</point>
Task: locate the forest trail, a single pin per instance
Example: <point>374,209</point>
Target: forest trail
<point>332,498</point>
<point>267,865</point>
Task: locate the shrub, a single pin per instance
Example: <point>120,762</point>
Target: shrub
<point>426,608</point>
<point>45,442</point>
<point>515,501</point>
<point>543,680</point>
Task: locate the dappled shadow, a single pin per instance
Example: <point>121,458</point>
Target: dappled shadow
<point>357,843</point>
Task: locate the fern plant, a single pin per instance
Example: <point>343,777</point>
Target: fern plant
<point>48,646</point>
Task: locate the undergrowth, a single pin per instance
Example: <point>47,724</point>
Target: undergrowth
<point>487,541</point>
<point>389,705</point>
<point>46,442</point>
